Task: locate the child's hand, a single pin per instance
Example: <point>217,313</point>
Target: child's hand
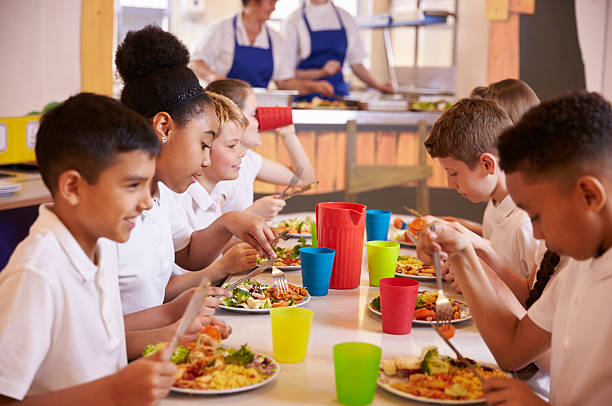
<point>286,131</point>
<point>510,392</point>
<point>251,229</point>
<point>143,382</point>
<point>209,302</point>
<point>238,258</point>
<point>449,275</point>
<point>223,328</point>
<point>446,240</point>
<point>267,207</point>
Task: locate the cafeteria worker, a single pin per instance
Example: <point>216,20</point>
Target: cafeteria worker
<point>319,38</point>
<point>244,47</point>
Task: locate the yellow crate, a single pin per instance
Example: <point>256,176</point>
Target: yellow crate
<point>17,139</point>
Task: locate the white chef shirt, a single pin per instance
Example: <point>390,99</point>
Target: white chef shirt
<point>146,260</point>
<point>238,193</point>
<point>573,308</point>
<point>509,230</point>
<point>216,48</point>
<point>320,17</point>
<point>60,314</point>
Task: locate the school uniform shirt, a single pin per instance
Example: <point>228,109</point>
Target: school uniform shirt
<point>509,230</point>
<point>146,260</point>
<point>573,308</point>
<point>60,314</point>
<point>238,193</point>
<point>320,17</point>
<point>216,48</point>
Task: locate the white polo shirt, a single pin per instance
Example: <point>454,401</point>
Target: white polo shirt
<point>216,48</point>
<point>238,193</point>
<point>320,17</point>
<point>573,308</point>
<point>60,314</point>
<point>509,230</point>
<point>146,260</point>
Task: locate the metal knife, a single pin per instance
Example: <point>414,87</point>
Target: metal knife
<point>300,190</point>
<point>254,272</point>
<point>294,180</point>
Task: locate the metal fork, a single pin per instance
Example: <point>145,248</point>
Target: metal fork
<point>444,311</point>
<point>280,280</point>
<point>294,181</point>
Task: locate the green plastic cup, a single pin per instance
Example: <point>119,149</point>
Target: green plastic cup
<point>382,260</point>
<point>313,235</point>
<point>290,333</point>
<point>356,368</point>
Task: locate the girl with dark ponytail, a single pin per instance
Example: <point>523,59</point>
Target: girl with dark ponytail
<point>159,85</point>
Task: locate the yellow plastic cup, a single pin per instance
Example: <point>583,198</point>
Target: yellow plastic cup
<point>382,260</point>
<point>290,333</point>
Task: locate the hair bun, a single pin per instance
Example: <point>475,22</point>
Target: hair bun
<point>148,50</point>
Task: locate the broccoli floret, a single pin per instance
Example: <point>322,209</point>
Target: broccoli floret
<point>240,295</point>
<point>295,252</point>
<point>432,364</point>
<point>243,356</point>
<point>152,349</point>
<point>420,303</point>
<point>376,303</point>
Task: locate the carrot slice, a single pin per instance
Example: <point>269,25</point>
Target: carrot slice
<point>448,330</point>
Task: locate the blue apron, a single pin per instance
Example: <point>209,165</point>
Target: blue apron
<point>326,45</point>
<point>252,64</point>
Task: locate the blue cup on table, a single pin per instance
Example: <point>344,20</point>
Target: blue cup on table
<point>377,224</point>
<point>317,263</point>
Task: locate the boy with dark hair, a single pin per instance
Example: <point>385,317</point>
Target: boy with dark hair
<point>559,169</point>
<point>464,139</point>
<point>62,338</point>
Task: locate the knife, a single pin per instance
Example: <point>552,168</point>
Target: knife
<point>294,180</point>
<point>300,190</point>
<point>190,313</point>
<point>254,272</point>
<point>459,356</point>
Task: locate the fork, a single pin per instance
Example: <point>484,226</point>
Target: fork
<point>444,311</point>
<point>280,280</point>
<point>294,180</point>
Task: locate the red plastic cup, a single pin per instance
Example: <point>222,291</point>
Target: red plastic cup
<point>273,117</point>
<point>340,226</point>
<point>397,301</point>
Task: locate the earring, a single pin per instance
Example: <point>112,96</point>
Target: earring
<point>164,139</point>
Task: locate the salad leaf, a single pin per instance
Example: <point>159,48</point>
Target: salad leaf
<point>243,356</point>
<point>376,303</point>
<point>179,355</point>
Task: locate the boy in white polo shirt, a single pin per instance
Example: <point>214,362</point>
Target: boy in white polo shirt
<point>559,169</point>
<point>62,338</point>
<point>464,140</point>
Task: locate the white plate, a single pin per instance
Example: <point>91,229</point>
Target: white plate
<point>231,390</point>
<point>386,386</point>
<point>299,235</point>
<point>243,310</point>
<point>290,268</point>
<point>416,277</point>
<point>393,234</point>
<point>464,309</point>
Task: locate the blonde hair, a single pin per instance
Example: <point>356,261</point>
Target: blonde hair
<point>512,95</point>
<point>226,110</point>
<point>237,90</point>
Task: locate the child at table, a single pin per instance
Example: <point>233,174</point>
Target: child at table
<point>557,162</point>
<point>62,336</point>
<point>159,86</point>
<point>464,141</point>
<point>515,97</point>
<point>239,192</point>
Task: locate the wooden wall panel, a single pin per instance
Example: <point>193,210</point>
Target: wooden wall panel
<point>386,151</point>
<point>340,174</point>
<point>97,18</point>
<point>326,161</point>
<point>503,49</point>
<point>366,148</point>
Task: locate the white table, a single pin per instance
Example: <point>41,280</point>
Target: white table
<point>339,317</point>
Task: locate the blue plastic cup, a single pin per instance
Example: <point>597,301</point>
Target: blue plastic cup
<point>317,263</point>
<point>377,224</point>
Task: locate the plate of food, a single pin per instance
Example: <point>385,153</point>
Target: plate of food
<point>411,267</point>
<point>400,237</point>
<point>425,308</point>
<point>297,226</point>
<point>401,228</point>
<point>288,259</point>
<point>254,297</point>
<point>440,105</point>
<point>435,378</point>
<point>206,367</point>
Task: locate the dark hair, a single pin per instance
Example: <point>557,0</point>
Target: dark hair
<point>153,66</point>
<point>467,130</point>
<point>246,2</point>
<point>85,133</point>
<point>562,136</point>
<point>547,269</point>
<point>234,89</point>
<point>512,95</point>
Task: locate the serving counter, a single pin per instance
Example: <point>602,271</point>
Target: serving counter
<point>341,316</point>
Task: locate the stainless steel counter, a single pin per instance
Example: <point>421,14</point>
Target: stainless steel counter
<point>382,118</point>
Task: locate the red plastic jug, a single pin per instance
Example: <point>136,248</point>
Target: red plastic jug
<point>340,226</point>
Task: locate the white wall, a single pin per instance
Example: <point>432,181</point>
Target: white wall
<point>39,44</point>
<point>594,23</point>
